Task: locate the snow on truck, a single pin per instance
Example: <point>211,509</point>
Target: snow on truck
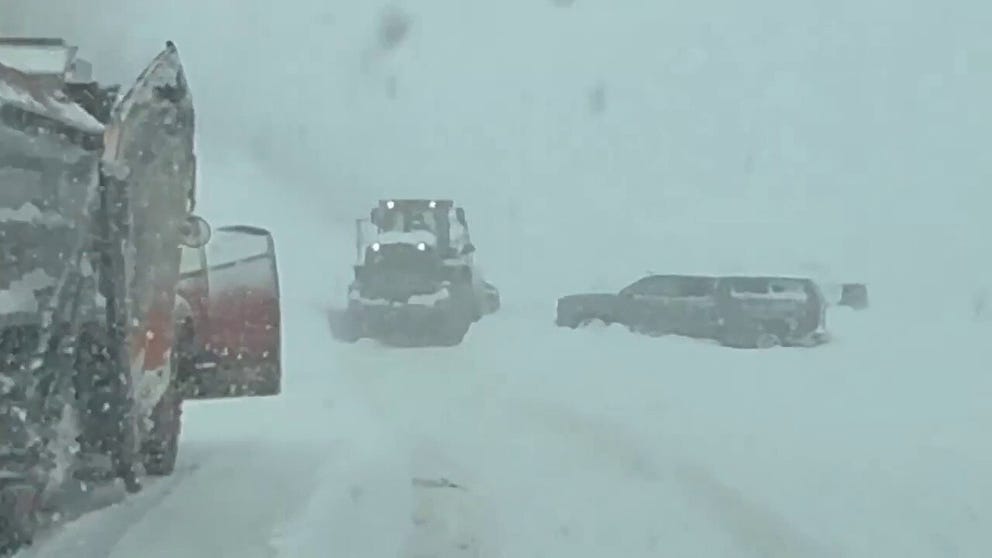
<point>416,281</point>
<point>116,301</point>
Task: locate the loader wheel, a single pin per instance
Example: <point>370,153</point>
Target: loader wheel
<point>453,329</point>
<point>161,448</point>
<point>772,334</point>
<point>452,335</point>
<point>347,325</point>
<point>351,328</point>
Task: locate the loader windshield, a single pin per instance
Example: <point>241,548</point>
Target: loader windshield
<point>409,221</point>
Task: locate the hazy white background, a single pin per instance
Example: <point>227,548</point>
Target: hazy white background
<point>851,134</point>
<point>589,143</point>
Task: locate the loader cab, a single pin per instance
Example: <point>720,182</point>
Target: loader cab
<point>434,223</point>
<point>412,245</point>
<point>412,222</point>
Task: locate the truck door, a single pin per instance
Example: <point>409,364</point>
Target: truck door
<point>241,329</point>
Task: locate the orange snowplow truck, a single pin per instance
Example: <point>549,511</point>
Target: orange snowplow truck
<point>117,303</point>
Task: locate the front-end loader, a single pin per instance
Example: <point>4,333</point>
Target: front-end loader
<point>416,282</point>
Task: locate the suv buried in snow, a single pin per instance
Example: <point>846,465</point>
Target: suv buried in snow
<point>737,311</point>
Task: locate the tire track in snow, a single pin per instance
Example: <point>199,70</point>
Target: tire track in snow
<point>418,404</point>
<point>448,522</point>
<point>451,515</point>
<point>753,527</point>
<point>598,437</point>
<point>358,507</point>
<point>556,447</point>
<point>237,491</point>
<point>239,494</point>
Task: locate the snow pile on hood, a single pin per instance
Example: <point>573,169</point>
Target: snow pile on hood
<point>21,90</point>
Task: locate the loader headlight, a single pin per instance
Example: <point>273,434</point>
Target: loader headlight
<point>390,204</point>
<point>376,246</point>
<point>421,246</point>
<point>432,204</point>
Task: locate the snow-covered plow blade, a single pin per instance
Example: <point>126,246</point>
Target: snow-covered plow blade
<point>439,319</point>
<point>234,322</point>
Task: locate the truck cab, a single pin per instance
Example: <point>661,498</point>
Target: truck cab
<point>437,224</point>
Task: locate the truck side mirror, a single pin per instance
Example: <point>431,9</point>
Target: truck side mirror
<point>468,249</point>
<point>195,232</point>
<point>460,215</point>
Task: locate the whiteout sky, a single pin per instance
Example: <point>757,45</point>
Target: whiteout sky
<point>857,119</point>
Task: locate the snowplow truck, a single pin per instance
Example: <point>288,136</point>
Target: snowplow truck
<point>117,302</point>
<point>416,282</point>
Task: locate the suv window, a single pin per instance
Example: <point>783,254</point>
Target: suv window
<point>772,288</point>
<point>674,286</point>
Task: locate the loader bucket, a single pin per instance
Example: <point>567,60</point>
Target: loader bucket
<point>237,317</point>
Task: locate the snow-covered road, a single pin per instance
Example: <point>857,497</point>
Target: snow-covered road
<point>587,443</point>
<point>592,443</point>
<point>598,443</point>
